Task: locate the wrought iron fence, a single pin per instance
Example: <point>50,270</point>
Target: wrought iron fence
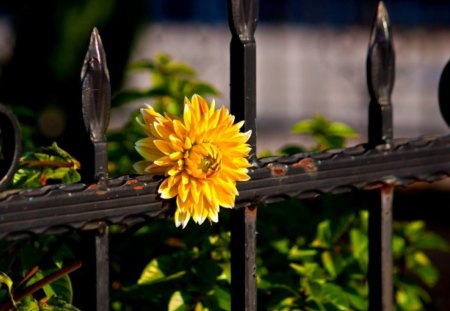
<point>381,164</point>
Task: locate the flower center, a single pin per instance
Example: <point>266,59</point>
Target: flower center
<point>203,160</point>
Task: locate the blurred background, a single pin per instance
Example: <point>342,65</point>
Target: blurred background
<point>310,59</point>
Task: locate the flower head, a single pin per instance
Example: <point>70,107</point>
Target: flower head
<point>203,155</point>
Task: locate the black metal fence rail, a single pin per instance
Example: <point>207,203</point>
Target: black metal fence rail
<point>131,199</point>
<point>381,163</point>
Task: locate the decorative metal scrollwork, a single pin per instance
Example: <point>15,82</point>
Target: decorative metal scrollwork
<point>10,145</point>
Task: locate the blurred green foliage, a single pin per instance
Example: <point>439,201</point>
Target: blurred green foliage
<point>326,134</point>
<point>29,261</point>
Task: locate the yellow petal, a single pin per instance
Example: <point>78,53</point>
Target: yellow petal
<point>166,191</point>
<point>224,196</point>
<point>183,191</point>
<point>164,161</point>
<point>147,149</point>
<point>195,191</point>
<point>164,146</point>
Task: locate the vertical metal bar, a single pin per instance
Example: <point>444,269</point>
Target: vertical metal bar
<point>242,18</point>
<point>243,259</point>
<point>380,250</point>
<point>380,81</point>
<point>102,267</point>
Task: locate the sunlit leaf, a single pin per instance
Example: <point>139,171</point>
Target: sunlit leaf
<point>328,263</point>
<point>335,295</point>
<point>223,298</point>
<point>153,274</point>
<point>324,236</point>
<point>296,253</point>
<point>177,303</point>
<point>61,288</point>
<point>430,241</point>
<point>6,280</point>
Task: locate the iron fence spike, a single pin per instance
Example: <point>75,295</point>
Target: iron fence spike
<point>243,18</point>
<point>96,100</point>
<point>381,58</point>
<point>96,91</point>
<point>380,79</point>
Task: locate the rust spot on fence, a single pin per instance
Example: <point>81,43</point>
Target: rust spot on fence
<point>100,188</point>
<point>250,211</point>
<point>277,169</point>
<point>131,182</point>
<point>306,164</point>
<point>138,187</point>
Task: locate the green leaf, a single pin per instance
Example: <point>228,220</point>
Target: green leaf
<point>335,295</point>
<point>28,304</point>
<point>57,303</point>
<point>413,228</point>
<point>223,298</point>
<point>359,247</point>
<point>419,264</point>
<point>282,246</point>
<point>153,274</point>
<point>357,300</point>
<point>398,246</point>
<point>226,272</point>
<point>340,225</point>
<point>408,298</point>
<point>46,163</point>
<point>327,134</point>
<point>199,307</point>
<point>430,241</point>
<point>324,236</point>
<point>71,177</point>
<point>341,130</point>
<point>328,263</point>
<point>303,127</point>
<point>300,269</point>
<point>297,254</point>
<point>179,68</point>
<point>61,288</point>
<point>5,279</point>
<point>177,302</point>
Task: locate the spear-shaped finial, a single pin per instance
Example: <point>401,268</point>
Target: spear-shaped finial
<point>96,100</point>
<point>380,78</point>
<point>243,17</point>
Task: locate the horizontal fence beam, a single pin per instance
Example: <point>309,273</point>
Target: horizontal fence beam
<point>134,199</point>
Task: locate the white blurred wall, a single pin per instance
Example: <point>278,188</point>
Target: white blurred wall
<point>302,71</point>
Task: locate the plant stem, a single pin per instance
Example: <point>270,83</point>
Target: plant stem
<point>41,283</point>
<point>48,163</point>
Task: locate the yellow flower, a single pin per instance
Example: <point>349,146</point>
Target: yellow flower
<point>202,155</point>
